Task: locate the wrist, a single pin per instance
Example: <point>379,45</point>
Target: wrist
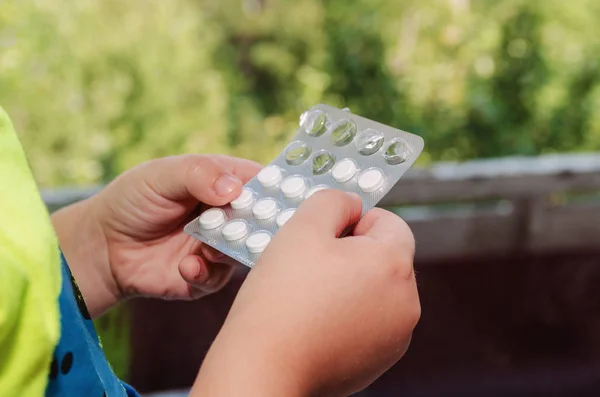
<point>84,247</point>
<point>239,366</point>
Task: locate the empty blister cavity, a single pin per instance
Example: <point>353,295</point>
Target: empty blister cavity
<point>297,153</point>
<point>369,141</point>
<point>257,242</point>
<point>322,162</point>
<point>396,152</point>
<point>315,189</point>
<point>314,122</point>
<point>370,180</point>
<point>293,186</point>
<point>332,149</point>
<point>284,216</point>
<point>344,170</point>
<point>245,199</point>
<point>265,208</point>
<point>343,132</point>
<point>212,218</point>
<point>270,176</point>
<point>235,230</point>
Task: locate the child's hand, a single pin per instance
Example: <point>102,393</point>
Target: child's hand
<point>128,239</point>
<point>319,315</point>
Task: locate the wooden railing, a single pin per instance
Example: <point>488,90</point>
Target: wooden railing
<point>485,207</point>
<point>521,322</point>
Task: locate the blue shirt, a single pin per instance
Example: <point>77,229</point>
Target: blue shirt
<point>79,366</point>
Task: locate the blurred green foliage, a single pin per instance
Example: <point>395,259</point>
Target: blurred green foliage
<point>114,333</point>
<point>98,86</point>
<point>95,87</point>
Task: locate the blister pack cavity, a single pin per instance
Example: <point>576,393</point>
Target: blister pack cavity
<point>333,148</point>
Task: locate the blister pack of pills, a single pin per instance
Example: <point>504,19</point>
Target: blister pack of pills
<point>333,148</point>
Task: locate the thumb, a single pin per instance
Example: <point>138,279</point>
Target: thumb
<point>327,212</point>
<point>213,180</point>
<point>203,277</point>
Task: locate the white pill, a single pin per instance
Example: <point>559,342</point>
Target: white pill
<point>269,176</point>
<point>284,216</point>
<point>293,186</point>
<point>212,218</point>
<point>344,171</point>
<point>235,230</point>
<point>258,241</point>
<point>244,199</point>
<point>264,209</point>
<point>370,180</point>
<point>314,190</point>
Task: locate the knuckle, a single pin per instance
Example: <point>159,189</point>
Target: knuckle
<point>404,242</point>
<point>329,200</point>
<point>414,312</point>
<point>330,195</point>
<point>409,304</point>
<point>406,231</point>
<point>409,241</point>
<point>398,263</point>
<point>195,164</point>
<point>417,314</point>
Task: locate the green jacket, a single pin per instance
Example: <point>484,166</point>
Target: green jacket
<point>29,275</point>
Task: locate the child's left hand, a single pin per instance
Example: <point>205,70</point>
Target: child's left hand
<point>128,240</point>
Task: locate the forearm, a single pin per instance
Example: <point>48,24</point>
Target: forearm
<point>84,246</point>
<point>247,370</point>
<point>231,381</point>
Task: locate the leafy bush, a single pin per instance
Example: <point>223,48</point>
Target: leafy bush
<point>96,87</point>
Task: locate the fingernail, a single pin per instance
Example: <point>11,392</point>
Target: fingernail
<point>198,272</point>
<point>226,184</point>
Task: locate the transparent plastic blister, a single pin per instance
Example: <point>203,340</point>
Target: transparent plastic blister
<point>333,148</point>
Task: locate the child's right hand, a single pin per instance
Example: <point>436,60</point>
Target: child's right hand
<point>319,315</point>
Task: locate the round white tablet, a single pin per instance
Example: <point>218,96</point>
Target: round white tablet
<point>269,176</point>
<point>293,186</point>
<point>235,230</point>
<point>344,170</point>
<point>257,242</point>
<point>212,218</point>
<point>314,190</point>
<point>265,208</point>
<point>370,180</point>
<point>244,199</point>
<point>284,216</point>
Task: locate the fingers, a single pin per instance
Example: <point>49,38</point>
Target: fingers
<point>203,277</point>
<point>387,227</point>
<point>213,180</point>
<point>214,256</point>
<point>327,212</point>
<point>242,168</point>
<point>193,269</point>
